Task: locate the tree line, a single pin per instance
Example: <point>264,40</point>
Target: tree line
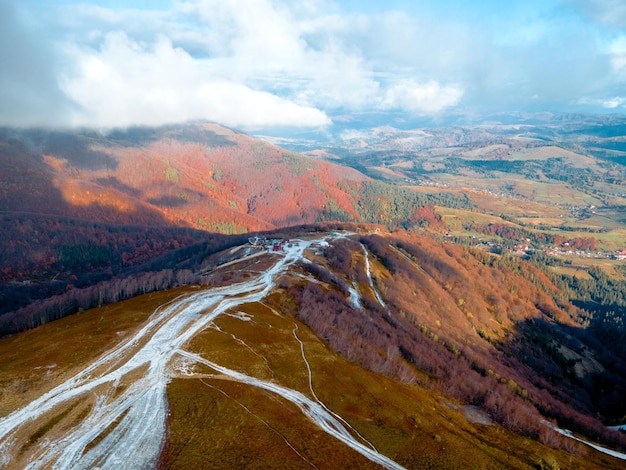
<point>172,269</point>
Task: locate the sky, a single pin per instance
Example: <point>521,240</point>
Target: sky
<point>256,64</point>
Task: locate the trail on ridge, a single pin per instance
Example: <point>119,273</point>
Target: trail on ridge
<point>126,425</point>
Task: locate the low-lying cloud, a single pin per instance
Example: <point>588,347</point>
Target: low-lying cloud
<point>418,98</point>
<point>125,83</point>
<point>29,90</point>
<point>277,63</point>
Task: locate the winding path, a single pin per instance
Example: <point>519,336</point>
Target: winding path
<point>126,425</point>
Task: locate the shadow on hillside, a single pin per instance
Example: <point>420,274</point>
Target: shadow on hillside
<point>171,202</point>
<point>573,366</point>
<point>196,135</point>
<point>31,186</point>
<point>48,244</point>
<point>74,147</point>
<point>143,136</point>
<point>114,182</point>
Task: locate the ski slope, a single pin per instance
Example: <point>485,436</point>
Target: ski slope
<point>126,425</point>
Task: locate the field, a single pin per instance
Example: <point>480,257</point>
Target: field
<point>216,422</point>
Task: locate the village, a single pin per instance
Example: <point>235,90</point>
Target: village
<point>270,244</point>
<point>524,248</point>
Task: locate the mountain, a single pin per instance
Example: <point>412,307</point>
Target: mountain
<point>463,304</point>
<point>197,175</point>
<point>330,349</point>
<point>81,207</point>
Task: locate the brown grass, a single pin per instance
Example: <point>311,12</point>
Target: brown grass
<point>248,427</point>
<point>580,273</point>
<point>613,268</point>
<point>548,152</point>
<point>217,423</point>
<point>35,361</point>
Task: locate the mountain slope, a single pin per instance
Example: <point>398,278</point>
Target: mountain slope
<point>239,358</point>
<point>80,207</point>
<point>482,328</point>
<point>197,175</point>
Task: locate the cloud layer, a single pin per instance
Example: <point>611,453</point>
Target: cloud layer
<point>278,63</point>
<point>124,82</point>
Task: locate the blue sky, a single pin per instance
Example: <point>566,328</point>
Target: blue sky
<point>255,64</point>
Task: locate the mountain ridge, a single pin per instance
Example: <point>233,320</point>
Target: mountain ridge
<point>171,169</point>
<point>73,202</point>
<point>352,293</point>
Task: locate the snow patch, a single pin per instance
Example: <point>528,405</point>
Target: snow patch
<point>570,434</point>
<point>243,316</point>
<point>134,422</point>
<point>371,281</point>
<point>355,298</point>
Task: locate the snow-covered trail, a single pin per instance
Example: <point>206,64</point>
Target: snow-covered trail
<point>571,435</point>
<point>312,409</point>
<point>126,425</point>
<point>369,277</point>
<point>310,374</point>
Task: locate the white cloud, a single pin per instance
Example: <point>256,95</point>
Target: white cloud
<point>260,63</point>
<point>286,57</point>
<point>125,83</point>
<point>259,31</point>
<point>292,48</point>
<point>29,90</point>
<point>608,12</point>
<point>426,98</point>
<point>605,103</point>
<point>617,53</point>
<point>613,102</point>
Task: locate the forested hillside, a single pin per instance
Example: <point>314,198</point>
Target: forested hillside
<point>492,331</point>
<point>82,207</point>
<point>486,361</point>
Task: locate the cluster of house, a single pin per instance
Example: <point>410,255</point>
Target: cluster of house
<point>521,249</point>
<point>269,244</point>
<point>558,251</point>
<point>524,248</point>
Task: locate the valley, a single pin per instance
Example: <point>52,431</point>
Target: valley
<point>556,174</point>
<point>429,298</point>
